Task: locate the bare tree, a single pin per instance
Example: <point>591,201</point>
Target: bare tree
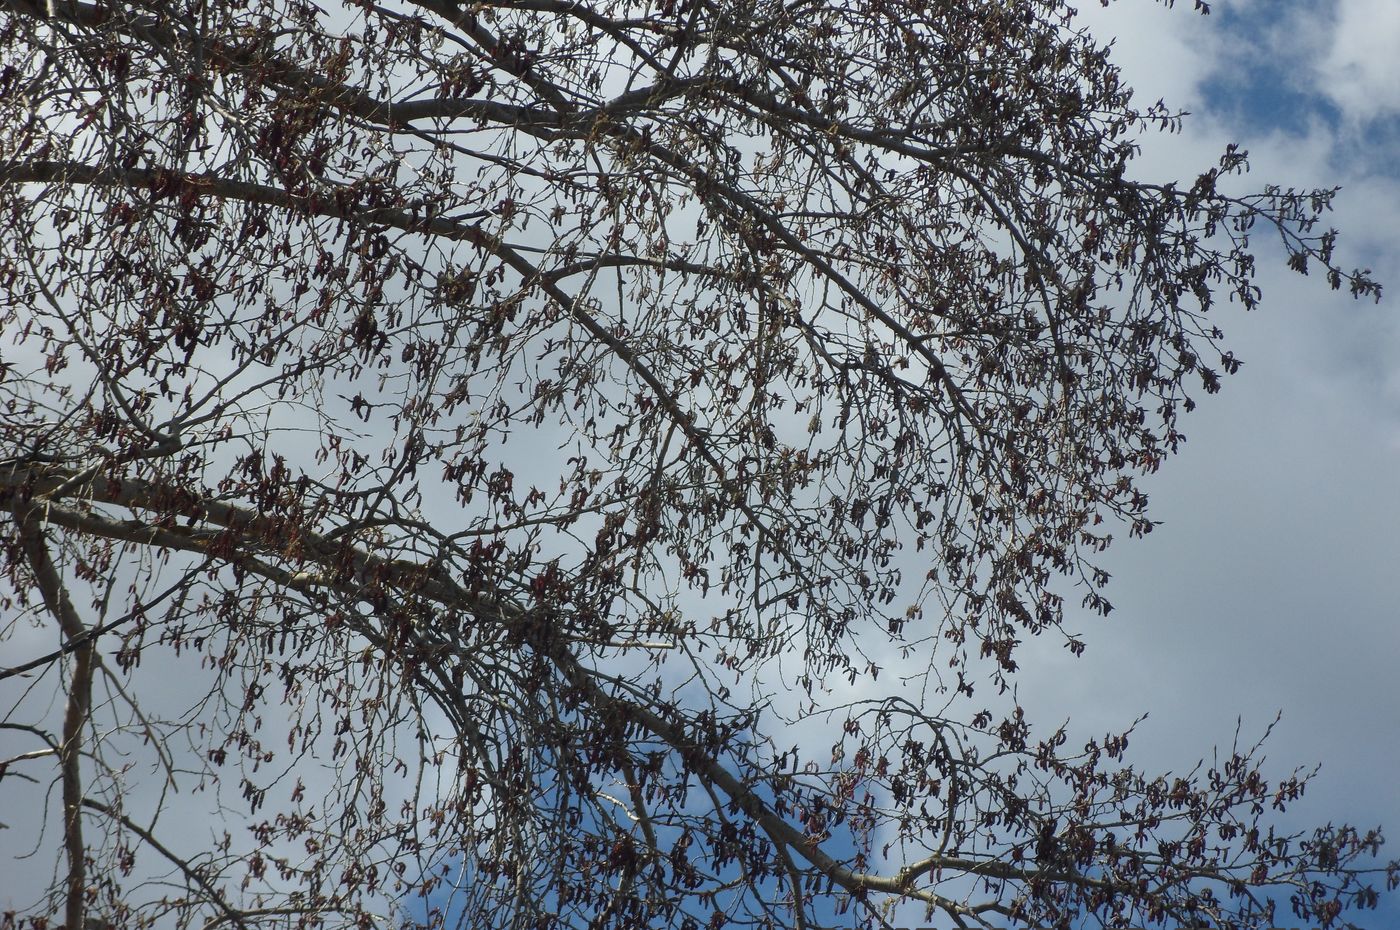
<point>466,464</point>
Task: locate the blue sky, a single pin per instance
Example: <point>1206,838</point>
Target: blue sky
<point>1259,85</point>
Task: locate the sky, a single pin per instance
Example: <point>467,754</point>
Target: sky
<point>1271,585</point>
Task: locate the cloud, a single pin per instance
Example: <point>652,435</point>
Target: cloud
<point>1163,53</point>
<point>1270,584</point>
<point>1360,70</point>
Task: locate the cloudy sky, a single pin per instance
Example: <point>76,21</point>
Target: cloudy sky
<point>1274,582</point>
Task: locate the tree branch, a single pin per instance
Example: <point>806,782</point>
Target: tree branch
<point>55,597</point>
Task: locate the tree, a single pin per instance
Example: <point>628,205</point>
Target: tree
<point>467,464</point>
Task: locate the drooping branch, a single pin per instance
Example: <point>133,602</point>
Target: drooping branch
<point>248,541</point>
<point>323,569</point>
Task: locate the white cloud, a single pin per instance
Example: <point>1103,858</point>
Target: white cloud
<point>1162,52</point>
<point>1360,72</point>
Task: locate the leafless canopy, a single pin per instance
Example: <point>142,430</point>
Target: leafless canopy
<point>467,464</point>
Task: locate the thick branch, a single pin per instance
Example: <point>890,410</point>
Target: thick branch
<point>75,715</point>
